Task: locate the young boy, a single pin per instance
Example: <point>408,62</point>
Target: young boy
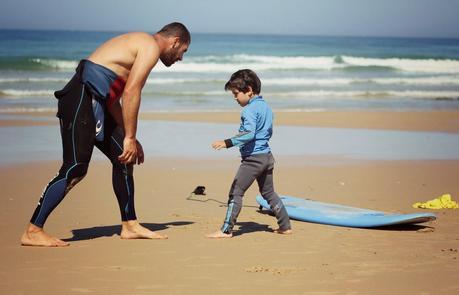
<point>257,161</point>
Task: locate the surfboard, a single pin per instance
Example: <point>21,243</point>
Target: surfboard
<point>339,215</point>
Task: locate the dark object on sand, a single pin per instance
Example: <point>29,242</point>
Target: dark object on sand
<point>200,190</point>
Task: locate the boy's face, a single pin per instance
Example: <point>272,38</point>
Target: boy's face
<point>241,97</point>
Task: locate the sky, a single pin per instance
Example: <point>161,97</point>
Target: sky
<point>398,18</point>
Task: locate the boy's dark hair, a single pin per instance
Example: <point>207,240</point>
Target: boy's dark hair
<point>242,79</point>
<point>176,29</point>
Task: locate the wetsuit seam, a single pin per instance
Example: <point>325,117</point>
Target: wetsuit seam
<point>228,217</point>
<point>73,126</point>
<point>44,197</point>
<point>126,181</point>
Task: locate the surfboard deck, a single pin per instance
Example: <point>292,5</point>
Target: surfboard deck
<point>339,215</point>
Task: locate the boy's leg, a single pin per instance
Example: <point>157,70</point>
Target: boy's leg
<point>248,171</point>
<point>123,183</point>
<point>266,186</point>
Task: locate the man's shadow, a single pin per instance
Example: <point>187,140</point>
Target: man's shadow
<point>250,227</point>
<point>90,233</point>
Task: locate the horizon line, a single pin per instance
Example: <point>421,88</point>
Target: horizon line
<point>235,33</point>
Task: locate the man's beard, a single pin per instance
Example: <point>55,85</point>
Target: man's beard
<point>168,58</point>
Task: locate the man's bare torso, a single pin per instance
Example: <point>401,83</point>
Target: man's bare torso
<point>119,53</point>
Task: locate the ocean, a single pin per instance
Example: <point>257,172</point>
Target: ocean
<point>298,73</point>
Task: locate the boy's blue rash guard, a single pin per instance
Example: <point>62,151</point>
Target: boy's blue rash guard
<point>256,128</point>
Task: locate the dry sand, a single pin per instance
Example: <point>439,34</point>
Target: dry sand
<point>316,259</point>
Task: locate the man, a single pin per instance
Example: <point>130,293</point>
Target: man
<point>91,114</point>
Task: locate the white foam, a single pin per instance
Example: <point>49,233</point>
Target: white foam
<point>231,63</point>
<point>19,93</point>
<point>185,93</point>
<point>368,94</point>
<point>33,80</point>
<point>26,110</point>
<point>258,63</point>
<point>446,66</point>
<point>431,81</point>
<point>156,81</point>
<point>56,63</point>
<point>308,81</point>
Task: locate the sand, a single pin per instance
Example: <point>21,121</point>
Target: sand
<point>316,259</point>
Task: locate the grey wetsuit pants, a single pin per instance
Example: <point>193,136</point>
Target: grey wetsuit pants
<point>257,167</point>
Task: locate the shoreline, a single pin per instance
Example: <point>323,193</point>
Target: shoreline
<point>432,120</point>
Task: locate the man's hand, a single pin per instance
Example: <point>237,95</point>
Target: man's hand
<point>129,154</point>
<point>219,144</point>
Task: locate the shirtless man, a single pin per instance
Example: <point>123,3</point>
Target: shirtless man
<point>91,114</point>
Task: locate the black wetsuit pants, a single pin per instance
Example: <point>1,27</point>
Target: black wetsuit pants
<point>77,126</point>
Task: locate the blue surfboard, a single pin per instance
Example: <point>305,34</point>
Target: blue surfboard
<point>334,214</point>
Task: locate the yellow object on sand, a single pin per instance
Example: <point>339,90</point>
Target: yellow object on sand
<point>443,202</point>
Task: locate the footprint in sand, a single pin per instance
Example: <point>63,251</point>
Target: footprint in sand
<point>80,290</point>
<point>273,270</point>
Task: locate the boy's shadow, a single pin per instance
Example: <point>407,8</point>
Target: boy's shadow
<point>89,233</point>
<point>249,227</point>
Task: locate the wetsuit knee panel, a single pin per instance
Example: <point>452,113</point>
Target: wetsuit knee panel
<point>75,175</point>
<point>78,171</point>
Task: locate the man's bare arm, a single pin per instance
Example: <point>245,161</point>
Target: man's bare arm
<point>116,112</point>
<point>146,58</point>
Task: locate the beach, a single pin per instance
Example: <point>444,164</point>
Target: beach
<point>368,122</point>
<point>315,259</point>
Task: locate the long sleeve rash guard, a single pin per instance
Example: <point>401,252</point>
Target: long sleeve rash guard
<point>255,130</point>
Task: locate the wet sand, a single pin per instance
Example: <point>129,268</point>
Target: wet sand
<point>441,121</point>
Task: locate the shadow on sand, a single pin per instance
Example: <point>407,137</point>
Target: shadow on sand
<point>89,233</point>
<point>407,227</point>
<point>250,227</point>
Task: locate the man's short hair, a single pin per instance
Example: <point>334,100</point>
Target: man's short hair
<point>176,29</point>
<point>242,79</point>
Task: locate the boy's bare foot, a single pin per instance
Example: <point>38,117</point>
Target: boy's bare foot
<point>133,230</point>
<point>283,231</point>
<point>219,235</point>
<point>35,236</point>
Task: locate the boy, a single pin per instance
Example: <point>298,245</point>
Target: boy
<point>257,160</point>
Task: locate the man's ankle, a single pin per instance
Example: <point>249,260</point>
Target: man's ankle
<point>32,228</point>
<point>131,223</point>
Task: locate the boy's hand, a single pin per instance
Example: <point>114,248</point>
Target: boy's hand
<point>219,144</point>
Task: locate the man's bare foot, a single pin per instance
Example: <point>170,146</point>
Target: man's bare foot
<point>133,230</point>
<point>283,231</point>
<point>219,235</point>
<point>35,236</point>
